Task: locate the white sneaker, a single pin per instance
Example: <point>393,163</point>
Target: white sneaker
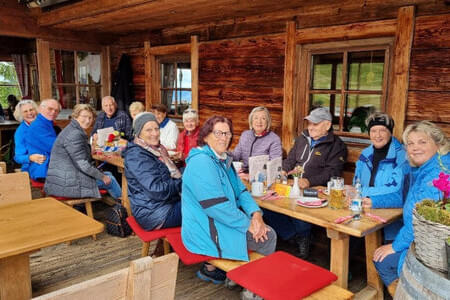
<point>248,295</point>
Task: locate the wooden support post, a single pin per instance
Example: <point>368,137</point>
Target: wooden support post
<point>402,56</point>
<point>106,71</point>
<point>288,123</point>
<point>339,256</point>
<point>373,241</point>
<point>15,278</point>
<point>148,76</point>
<point>194,71</point>
<point>43,61</point>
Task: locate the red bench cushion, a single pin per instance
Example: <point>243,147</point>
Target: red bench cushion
<point>281,276</point>
<point>37,184</point>
<point>188,258</point>
<point>148,236</point>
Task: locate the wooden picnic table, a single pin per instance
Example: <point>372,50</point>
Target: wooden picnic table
<point>117,160</point>
<point>28,226</point>
<point>339,235</point>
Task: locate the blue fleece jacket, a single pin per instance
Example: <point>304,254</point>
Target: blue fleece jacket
<point>21,155</point>
<point>420,188</point>
<point>216,207</point>
<point>40,138</point>
<point>388,185</point>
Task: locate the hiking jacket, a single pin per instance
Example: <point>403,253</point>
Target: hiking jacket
<point>388,181</point>
<point>21,155</point>
<point>216,207</point>
<point>71,172</point>
<point>320,162</point>
<point>420,186</point>
<point>187,141</point>
<point>251,145</point>
<point>151,190</point>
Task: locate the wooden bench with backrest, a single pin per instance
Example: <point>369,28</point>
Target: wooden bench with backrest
<point>144,279</point>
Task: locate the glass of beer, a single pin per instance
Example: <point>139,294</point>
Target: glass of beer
<point>337,198</point>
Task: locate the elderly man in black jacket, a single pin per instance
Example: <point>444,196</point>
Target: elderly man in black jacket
<point>111,117</point>
<point>322,155</point>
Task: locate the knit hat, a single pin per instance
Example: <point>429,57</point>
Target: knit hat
<point>141,119</point>
<point>380,119</point>
<point>318,115</point>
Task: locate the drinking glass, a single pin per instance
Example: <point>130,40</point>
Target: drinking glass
<point>337,199</point>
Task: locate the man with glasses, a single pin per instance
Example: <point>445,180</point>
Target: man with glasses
<point>40,137</point>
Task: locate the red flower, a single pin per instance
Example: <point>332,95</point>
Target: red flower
<point>443,184</point>
<point>111,137</point>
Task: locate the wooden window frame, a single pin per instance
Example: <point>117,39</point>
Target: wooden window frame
<point>11,85</point>
<point>305,53</point>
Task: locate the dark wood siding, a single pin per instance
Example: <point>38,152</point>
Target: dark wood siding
<point>237,75</point>
<point>429,77</point>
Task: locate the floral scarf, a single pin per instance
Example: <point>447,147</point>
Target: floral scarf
<point>162,154</point>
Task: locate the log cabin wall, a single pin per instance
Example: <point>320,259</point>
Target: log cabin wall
<point>429,80</point>
<point>239,74</point>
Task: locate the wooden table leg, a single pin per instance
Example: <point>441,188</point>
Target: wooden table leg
<point>15,278</point>
<point>373,241</point>
<point>125,200</point>
<point>339,256</point>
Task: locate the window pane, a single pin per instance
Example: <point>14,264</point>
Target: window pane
<point>89,68</point>
<point>184,102</point>
<point>91,95</point>
<point>366,70</point>
<point>358,108</point>
<point>168,99</point>
<point>168,76</point>
<point>326,71</point>
<point>330,101</point>
<point>63,66</point>
<point>184,76</point>
<point>65,95</point>
<point>8,77</point>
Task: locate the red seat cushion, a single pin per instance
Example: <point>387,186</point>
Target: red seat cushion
<point>61,198</point>
<point>281,276</point>
<point>37,184</point>
<point>103,192</point>
<point>148,236</point>
<point>187,257</point>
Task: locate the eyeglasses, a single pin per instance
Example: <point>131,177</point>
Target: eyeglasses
<point>218,134</point>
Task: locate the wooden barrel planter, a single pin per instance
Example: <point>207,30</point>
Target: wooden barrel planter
<point>419,282</point>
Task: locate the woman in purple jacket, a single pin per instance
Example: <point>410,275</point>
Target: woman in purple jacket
<point>259,140</point>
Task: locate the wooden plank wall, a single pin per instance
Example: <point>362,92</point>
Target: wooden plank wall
<point>429,81</point>
<point>239,74</point>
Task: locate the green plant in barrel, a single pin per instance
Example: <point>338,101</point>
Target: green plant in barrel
<point>438,212</point>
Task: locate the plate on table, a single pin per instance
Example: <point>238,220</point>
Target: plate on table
<point>311,202</point>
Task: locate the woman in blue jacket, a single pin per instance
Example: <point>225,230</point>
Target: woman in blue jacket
<point>220,217</point>
<point>154,182</point>
<point>25,113</point>
<point>380,169</point>
<point>427,148</point>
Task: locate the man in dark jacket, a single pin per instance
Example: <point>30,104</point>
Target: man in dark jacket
<point>111,117</point>
<point>322,155</point>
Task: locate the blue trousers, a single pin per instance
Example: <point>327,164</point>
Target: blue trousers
<point>173,218</point>
<point>113,188</point>
<point>286,227</point>
<point>387,268</point>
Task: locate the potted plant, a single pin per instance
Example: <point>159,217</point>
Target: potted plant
<point>433,217</point>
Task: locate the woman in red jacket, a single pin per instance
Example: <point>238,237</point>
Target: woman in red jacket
<point>188,137</point>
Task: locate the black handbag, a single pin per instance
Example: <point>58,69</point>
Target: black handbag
<point>116,221</point>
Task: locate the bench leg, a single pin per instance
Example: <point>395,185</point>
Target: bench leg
<point>166,246</point>
<point>90,213</point>
<point>145,249</point>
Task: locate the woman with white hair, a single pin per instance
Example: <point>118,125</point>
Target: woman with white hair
<point>428,149</point>
<point>259,140</point>
<point>25,112</point>
<point>188,137</point>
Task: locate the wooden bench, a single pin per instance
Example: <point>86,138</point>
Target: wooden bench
<point>329,292</point>
<point>145,279</point>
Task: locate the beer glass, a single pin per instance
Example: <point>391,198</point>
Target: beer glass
<point>337,199</point>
